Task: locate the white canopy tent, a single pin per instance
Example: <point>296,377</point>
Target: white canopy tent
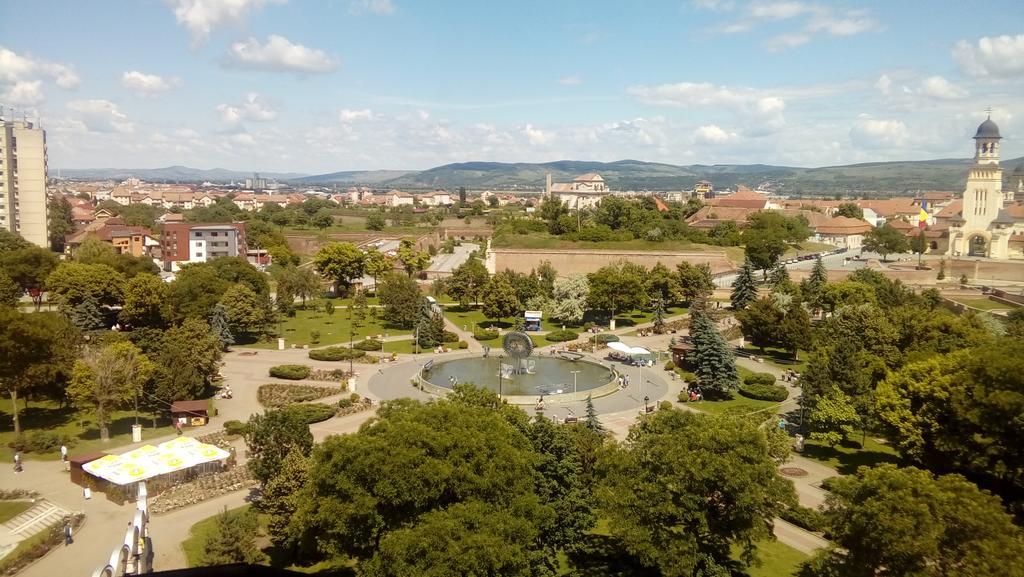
<point>628,350</point>
<point>148,461</point>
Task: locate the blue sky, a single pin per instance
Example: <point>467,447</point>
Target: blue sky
<point>307,86</point>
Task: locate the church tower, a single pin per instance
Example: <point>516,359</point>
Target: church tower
<point>983,196</point>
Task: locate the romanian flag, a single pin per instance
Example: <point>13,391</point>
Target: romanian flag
<point>922,217</point>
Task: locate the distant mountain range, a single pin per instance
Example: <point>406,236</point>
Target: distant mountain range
<point>875,177</point>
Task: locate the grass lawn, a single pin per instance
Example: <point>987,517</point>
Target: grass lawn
<point>80,427</point>
<point>737,404</point>
<point>847,457</point>
<point>779,358</point>
<point>334,328</point>
<point>11,509</point>
<point>777,560</point>
<point>983,303</point>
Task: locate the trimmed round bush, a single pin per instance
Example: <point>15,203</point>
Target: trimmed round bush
<point>759,379</point>
<point>560,336</point>
<point>485,335</point>
<point>335,354</point>
<point>670,366</point>
<point>312,412</point>
<point>369,345</point>
<point>604,338</point>
<point>293,372</point>
<point>449,337</point>
<point>234,427</point>
<point>765,392</point>
<point>463,345</point>
<point>664,405</point>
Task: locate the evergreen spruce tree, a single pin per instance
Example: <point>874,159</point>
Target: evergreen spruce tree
<point>744,288</point>
<point>278,498</point>
<point>87,316</point>
<point>714,362</point>
<point>233,540</point>
<point>219,326</point>
<point>592,421</point>
<point>778,277</point>
<point>659,315</point>
<point>813,287</point>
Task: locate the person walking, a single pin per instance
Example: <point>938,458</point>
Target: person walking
<point>17,461</point>
<point>63,453</point>
<point>67,534</point>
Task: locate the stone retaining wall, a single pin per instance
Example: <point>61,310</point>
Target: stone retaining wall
<point>568,262</point>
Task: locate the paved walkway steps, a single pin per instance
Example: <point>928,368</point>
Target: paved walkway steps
<point>42,515</point>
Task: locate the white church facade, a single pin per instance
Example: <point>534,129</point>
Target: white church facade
<point>991,223</point>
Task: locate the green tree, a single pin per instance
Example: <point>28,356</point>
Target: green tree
<point>270,437</point>
<point>713,360</point>
<point>885,240</point>
<point>813,287</point>
<point>59,221</point>
<point>87,316</point>
<point>413,261</point>
<point>219,327</point>
<point>342,262</point>
<point>146,302</point>
<point>36,348</point>
<point>195,291</point>
<point>401,299</point>
<point>769,234</point>
<point>616,287</point>
<point>547,276</point>
<point>778,278</point>
<point>849,210</point>
<point>660,283</point>
<point>233,540</point>
<point>28,267</point>
<point>186,362</point>
<point>279,497</point>
<point>892,521</point>
<point>760,322</point>
<point>236,269</point>
<point>377,265</point>
<point>468,281</point>
<point>685,489</point>
<point>592,422</point>
<point>569,299</point>
<point>744,288</point>
<point>500,299</point>
<point>299,282</point>
<point>794,333</point>
<point>323,219</point>
<point>11,241</point>
<point>10,292</point>
<point>247,313</point>
<point>1015,323</point>
<point>108,380</point>
<point>70,282</point>
<point>360,306</point>
<point>695,281</point>
<point>375,221</point>
<point>833,417</point>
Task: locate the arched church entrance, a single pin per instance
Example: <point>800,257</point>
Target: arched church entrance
<point>976,246</point>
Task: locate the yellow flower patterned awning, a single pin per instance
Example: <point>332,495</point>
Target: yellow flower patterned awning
<point>148,461</point>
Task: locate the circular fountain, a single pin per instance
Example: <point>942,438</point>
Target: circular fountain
<point>520,378</point>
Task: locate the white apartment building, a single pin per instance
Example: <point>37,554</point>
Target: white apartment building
<point>23,180</point>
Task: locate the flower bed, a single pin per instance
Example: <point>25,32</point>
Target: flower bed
<point>276,395</point>
<point>329,374</point>
<point>201,489</point>
<point>38,545</point>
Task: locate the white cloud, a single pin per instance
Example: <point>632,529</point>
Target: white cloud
<point>997,57</point>
<point>347,115</point>
<point>101,116</point>
<point>278,54</point>
<point>939,87</point>
<point>884,84</point>
<point>536,136</point>
<point>571,80</point>
<point>24,93</point>
<point>712,134</point>
<point>201,17</point>
<point>784,41</point>
<point>253,108</point>
<point>777,10</point>
<point>870,133</point>
<point>716,5</point>
<point>850,24</point>
<point>381,7</point>
<point>758,107</point>
<point>147,84</point>
<point>16,68</point>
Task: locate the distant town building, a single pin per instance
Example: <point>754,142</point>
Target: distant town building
<point>584,191</point>
<point>256,183</point>
<point>23,180</point>
<point>132,240</point>
<point>703,190</point>
<point>990,224</point>
<point>184,243</point>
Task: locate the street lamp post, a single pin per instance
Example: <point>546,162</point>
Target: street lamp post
<point>574,373</point>
<point>500,358</point>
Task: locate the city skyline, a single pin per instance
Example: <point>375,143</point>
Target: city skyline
<point>391,84</point>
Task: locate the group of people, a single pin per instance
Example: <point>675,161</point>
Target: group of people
<point>623,381</point>
<point>225,393</point>
<point>18,467</point>
<point>696,395</point>
<point>790,376</point>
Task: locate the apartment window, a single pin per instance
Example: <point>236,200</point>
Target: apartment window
<point>199,234</point>
<point>199,255</point>
<point>213,234</point>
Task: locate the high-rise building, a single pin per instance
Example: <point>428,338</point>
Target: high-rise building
<point>23,180</point>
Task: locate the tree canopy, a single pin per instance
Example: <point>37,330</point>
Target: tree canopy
<point>342,262</point>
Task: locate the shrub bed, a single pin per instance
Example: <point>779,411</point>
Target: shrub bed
<point>759,379</point>
<point>311,412</point>
<point>774,393</point>
<point>291,372</point>
<point>560,336</point>
<point>805,518</point>
<point>40,442</point>
<point>201,489</point>
<point>234,427</point>
<point>353,404</point>
<point>369,345</point>
<point>485,335</point>
<point>463,345</point>
<point>604,338</point>
<point>449,337</point>
<point>335,354</point>
<point>275,395</point>
<point>38,545</point>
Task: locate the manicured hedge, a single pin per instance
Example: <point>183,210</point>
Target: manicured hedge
<point>369,345</point>
<point>293,372</point>
<point>348,401</point>
<point>759,379</point>
<point>463,345</point>
<point>312,412</point>
<point>561,336</point>
<point>765,392</point>
<point>604,338</point>
<point>276,395</point>
<point>485,335</point>
<point>234,427</point>
<point>335,354</point>
<point>804,517</point>
<point>449,337</point>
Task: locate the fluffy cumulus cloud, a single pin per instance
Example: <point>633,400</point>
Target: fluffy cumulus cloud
<point>536,136</point>
<point>147,84</point>
<point>380,7</point>
<point>253,108</point>
<point>998,57</point>
<point>939,87</point>
<point>712,134</point>
<point>805,20</point>
<point>100,116</point>
<point>278,54</point>
<point>22,76</point>
<point>201,17</point>
<point>868,133</point>
<point>347,115</point>
<point>754,105</point>
<point>786,41</point>
<point>23,93</point>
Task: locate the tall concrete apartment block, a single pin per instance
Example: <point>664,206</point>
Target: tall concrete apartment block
<point>23,180</point>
